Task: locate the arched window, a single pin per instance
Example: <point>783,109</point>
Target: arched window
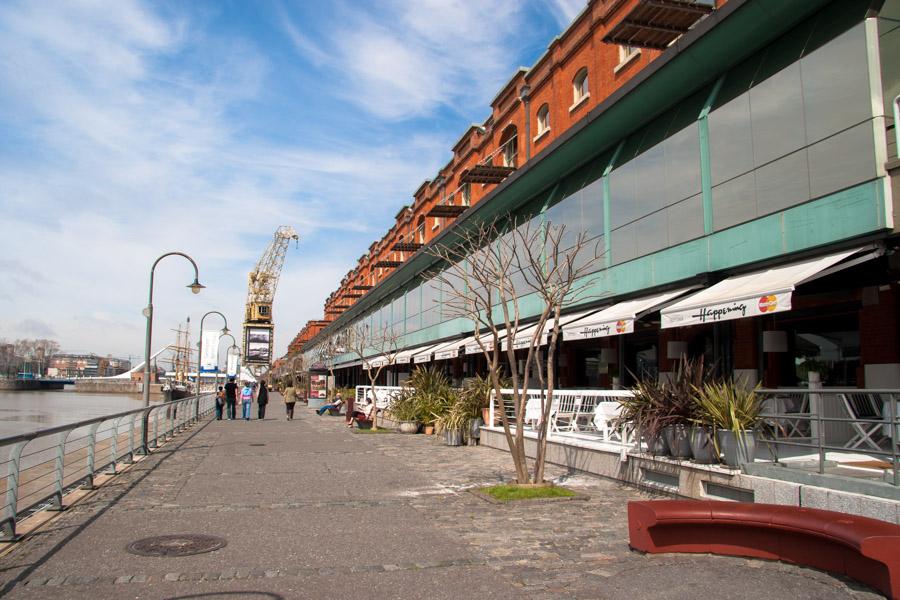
<point>509,144</point>
<point>580,86</point>
<point>420,230</point>
<point>543,119</point>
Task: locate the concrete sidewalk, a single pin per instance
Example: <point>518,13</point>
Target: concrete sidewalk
<point>312,510</point>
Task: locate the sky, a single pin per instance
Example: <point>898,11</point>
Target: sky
<point>129,129</point>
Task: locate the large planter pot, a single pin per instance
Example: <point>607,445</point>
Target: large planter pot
<point>409,427</point>
<point>454,437</point>
<point>678,440</point>
<point>703,447</point>
<point>475,428</point>
<point>486,416</point>
<point>737,450</point>
<point>657,446</point>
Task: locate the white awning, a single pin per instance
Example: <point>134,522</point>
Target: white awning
<point>406,357</point>
<point>618,319</point>
<point>487,339</point>
<point>754,294</point>
<point>442,351</point>
<point>523,337</point>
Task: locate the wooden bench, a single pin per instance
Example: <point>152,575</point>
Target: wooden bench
<point>864,549</point>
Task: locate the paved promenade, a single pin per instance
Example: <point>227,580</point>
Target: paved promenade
<point>312,510</point>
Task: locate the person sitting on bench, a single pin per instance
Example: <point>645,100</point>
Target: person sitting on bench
<point>334,407</point>
<point>365,414</point>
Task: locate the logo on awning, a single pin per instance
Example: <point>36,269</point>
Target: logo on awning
<point>768,303</point>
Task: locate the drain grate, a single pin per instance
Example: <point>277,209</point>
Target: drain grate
<point>256,444</point>
<point>176,545</point>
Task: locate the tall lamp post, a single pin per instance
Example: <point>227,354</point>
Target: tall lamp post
<point>195,287</point>
<point>233,346</point>
<point>200,355</point>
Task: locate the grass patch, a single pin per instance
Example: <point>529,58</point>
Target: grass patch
<point>379,430</point>
<point>508,493</point>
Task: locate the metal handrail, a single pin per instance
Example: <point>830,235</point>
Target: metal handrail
<point>175,420</point>
<point>820,444</point>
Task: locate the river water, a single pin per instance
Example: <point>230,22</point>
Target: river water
<point>22,412</point>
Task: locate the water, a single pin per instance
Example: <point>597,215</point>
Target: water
<point>23,412</point>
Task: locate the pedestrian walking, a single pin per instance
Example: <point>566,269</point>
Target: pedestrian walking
<point>220,402</point>
<point>290,398</point>
<point>246,399</point>
<point>262,398</point>
<point>230,398</point>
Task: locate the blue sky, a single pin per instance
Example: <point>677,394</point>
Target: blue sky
<point>129,129</point>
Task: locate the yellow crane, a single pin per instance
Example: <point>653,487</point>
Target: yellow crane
<point>259,328</point>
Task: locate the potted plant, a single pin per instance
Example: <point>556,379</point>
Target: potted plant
<point>734,411</point>
<point>405,412</point>
<point>688,375</point>
<point>647,412</point>
<point>454,422</point>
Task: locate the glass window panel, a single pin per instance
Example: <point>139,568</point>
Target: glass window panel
<point>621,191</point>
<point>734,202</point>
<point>842,160</point>
<point>398,310</point>
<point>685,220</point>
<point>730,140</point>
<point>782,184</point>
<point>649,181</point>
<point>567,212</point>
<point>776,109</point>
<point>651,233</point>
<point>836,85</point>
<point>682,164</point>
<point>624,244</point>
<point>592,208</point>
<point>414,301</point>
<point>592,255</point>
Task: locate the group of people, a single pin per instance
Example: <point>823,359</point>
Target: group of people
<point>227,397</point>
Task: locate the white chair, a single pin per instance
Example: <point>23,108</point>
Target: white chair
<point>605,413</point>
<point>565,413</point>
<point>864,406</point>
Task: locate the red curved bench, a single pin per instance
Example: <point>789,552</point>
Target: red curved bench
<point>864,549</point>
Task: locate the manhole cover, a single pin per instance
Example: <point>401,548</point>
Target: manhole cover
<point>176,545</point>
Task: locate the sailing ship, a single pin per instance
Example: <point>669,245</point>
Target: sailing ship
<point>177,386</point>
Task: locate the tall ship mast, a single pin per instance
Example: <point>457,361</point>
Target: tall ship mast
<point>178,385</point>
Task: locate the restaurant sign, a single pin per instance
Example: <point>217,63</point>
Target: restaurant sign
<point>589,329</point>
<point>726,311</point>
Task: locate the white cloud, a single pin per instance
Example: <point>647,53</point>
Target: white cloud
<point>123,153</point>
<point>565,11</point>
<point>407,58</point>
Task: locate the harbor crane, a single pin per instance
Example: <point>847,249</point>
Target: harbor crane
<point>259,328</point>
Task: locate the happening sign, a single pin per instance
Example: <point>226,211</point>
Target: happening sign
<point>595,329</point>
<point>726,311</point>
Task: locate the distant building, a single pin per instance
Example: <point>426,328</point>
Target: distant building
<point>86,365</point>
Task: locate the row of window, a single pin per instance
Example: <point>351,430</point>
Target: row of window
<point>802,132</point>
<point>580,89</point>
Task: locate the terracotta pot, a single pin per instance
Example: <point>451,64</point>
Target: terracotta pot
<point>429,430</point>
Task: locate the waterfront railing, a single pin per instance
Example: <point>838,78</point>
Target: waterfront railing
<point>43,465</point>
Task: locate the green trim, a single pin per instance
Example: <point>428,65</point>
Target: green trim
<point>607,205</point>
<point>705,165</point>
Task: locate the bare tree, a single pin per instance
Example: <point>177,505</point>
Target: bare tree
<point>491,267</point>
<point>367,344</point>
<point>329,349</point>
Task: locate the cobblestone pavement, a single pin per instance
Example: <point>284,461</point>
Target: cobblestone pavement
<point>312,510</point>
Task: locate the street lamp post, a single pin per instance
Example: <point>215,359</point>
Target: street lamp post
<point>195,287</point>
<point>200,355</point>
<point>233,346</point>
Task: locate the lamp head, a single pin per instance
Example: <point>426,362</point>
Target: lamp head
<point>225,330</point>
<point>196,286</point>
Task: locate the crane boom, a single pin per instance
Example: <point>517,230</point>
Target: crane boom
<point>261,284</point>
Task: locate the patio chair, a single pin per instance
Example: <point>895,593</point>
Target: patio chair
<point>566,414</point>
<point>864,406</point>
<point>605,414</point>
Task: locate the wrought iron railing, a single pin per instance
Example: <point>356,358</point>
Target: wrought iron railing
<point>42,465</point>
